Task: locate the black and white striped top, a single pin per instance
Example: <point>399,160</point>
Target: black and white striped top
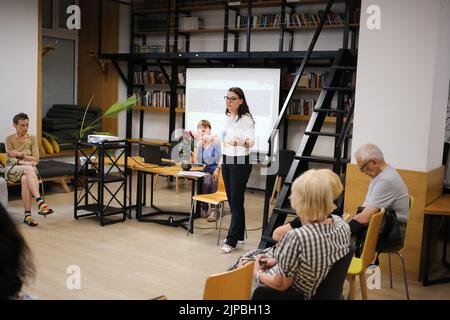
<point>307,253</point>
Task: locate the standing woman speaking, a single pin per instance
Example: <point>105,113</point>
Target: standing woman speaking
<point>237,138</point>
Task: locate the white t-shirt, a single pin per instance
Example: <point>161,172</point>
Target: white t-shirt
<point>243,128</point>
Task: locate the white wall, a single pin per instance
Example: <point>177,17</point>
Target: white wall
<point>440,90</point>
<point>402,74</point>
<point>18,62</point>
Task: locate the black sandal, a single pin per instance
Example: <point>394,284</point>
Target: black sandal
<point>45,212</point>
<point>30,221</point>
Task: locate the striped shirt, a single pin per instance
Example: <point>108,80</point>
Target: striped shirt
<point>308,253</point>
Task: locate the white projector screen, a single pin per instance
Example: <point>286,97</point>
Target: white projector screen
<point>206,87</point>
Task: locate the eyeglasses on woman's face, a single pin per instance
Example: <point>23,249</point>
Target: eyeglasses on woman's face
<point>232,99</point>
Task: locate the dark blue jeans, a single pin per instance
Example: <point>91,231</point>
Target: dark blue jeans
<point>235,172</point>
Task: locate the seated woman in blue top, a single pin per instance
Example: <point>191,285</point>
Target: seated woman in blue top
<point>207,152</point>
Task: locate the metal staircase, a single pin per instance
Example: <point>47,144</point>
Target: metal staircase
<point>340,86</point>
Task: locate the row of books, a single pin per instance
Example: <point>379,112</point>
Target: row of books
<point>310,80</point>
<point>157,98</point>
<point>304,19</point>
<point>301,107</point>
<point>301,19</point>
<point>155,77</point>
<point>191,23</point>
<point>147,48</point>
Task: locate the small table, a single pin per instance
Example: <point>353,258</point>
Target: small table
<point>437,209</point>
<point>151,169</point>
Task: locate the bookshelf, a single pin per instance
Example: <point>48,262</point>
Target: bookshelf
<point>158,109</point>
<point>300,118</point>
<point>177,20</point>
<point>164,48</point>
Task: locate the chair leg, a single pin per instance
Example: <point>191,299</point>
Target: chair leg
<point>405,276</point>
<point>191,216</point>
<point>275,187</point>
<point>63,183</point>
<point>220,222</point>
<point>363,284</point>
<point>390,269</point>
<point>176,184</point>
<point>156,181</point>
<point>351,281</point>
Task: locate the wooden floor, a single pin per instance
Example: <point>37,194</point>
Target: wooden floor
<point>134,260</point>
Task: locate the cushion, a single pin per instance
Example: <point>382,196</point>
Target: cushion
<point>54,144</point>
<point>52,121</point>
<point>54,168</point>
<point>47,146</point>
<point>3,159</point>
<point>41,149</point>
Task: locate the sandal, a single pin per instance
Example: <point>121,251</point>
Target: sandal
<point>45,211</point>
<point>226,249</point>
<point>30,221</point>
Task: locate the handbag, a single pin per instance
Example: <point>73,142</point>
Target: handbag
<point>390,236</point>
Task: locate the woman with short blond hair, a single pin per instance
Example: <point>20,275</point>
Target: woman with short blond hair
<point>305,255</point>
<point>336,188</point>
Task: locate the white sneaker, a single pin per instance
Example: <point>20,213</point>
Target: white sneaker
<point>226,249</point>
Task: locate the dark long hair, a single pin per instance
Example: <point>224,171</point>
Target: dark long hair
<point>16,265</point>
<point>243,108</point>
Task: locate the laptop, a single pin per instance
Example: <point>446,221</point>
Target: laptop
<point>152,154</point>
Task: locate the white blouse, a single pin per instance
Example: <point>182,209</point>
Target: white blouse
<point>243,128</point>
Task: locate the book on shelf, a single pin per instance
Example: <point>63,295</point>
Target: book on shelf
<point>308,19</point>
<point>263,21</point>
<point>159,98</point>
<point>191,24</point>
<point>310,80</point>
<point>301,107</point>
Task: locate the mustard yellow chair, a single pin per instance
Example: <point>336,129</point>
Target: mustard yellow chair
<point>397,251</point>
<point>230,285</point>
<point>358,266</point>
<point>216,198</point>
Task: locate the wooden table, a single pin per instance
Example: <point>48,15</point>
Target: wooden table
<point>438,209</point>
<point>144,169</point>
<point>157,142</point>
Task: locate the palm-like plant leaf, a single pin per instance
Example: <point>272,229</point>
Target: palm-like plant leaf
<point>120,106</point>
<point>112,111</point>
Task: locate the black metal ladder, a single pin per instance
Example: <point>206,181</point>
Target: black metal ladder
<point>340,84</point>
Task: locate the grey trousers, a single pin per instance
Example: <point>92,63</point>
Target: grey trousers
<point>3,192</point>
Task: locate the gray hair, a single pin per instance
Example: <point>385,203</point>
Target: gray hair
<point>369,151</point>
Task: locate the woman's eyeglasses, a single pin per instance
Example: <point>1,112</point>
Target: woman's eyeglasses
<point>232,99</point>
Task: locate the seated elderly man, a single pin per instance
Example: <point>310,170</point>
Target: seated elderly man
<point>386,189</point>
<point>3,192</point>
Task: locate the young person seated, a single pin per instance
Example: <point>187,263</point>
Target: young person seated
<point>207,152</point>
<point>23,156</point>
<point>305,255</point>
<point>336,186</point>
<point>16,264</point>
